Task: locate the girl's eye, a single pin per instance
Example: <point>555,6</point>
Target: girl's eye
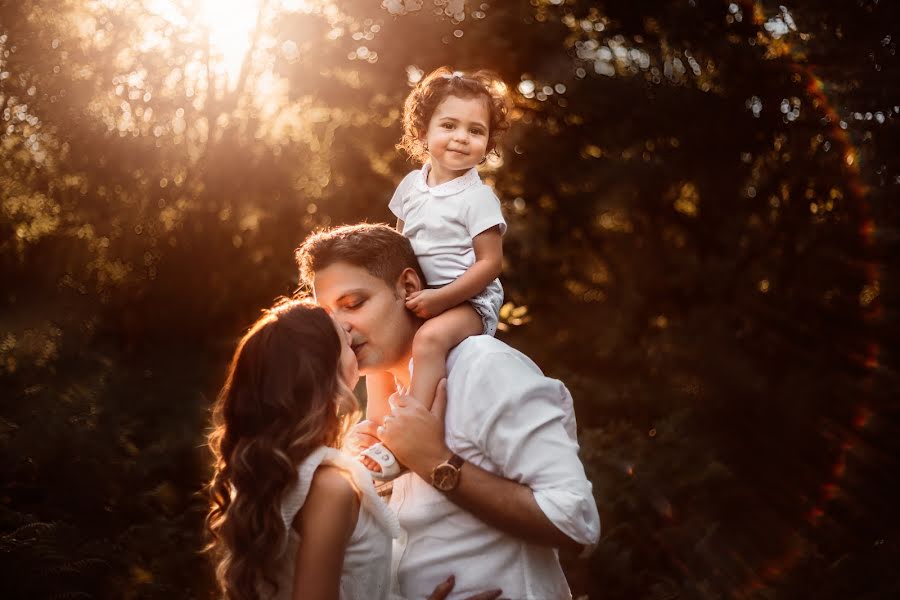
<point>447,126</point>
<point>477,132</point>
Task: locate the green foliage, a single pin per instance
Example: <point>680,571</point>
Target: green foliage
<point>701,245</point>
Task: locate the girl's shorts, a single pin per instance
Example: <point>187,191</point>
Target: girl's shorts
<point>487,304</point>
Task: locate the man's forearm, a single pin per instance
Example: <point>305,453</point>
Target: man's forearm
<point>507,506</point>
<point>416,436</point>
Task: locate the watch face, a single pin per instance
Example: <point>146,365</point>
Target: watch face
<point>445,477</point>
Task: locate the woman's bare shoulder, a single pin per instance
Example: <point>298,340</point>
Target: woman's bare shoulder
<point>332,495</point>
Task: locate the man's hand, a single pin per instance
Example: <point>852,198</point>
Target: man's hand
<point>444,588</point>
<point>416,435</point>
<point>426,303</point>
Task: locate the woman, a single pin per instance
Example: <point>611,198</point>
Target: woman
<point>291,515</point>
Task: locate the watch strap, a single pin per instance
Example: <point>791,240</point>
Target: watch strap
<point>456,460</point>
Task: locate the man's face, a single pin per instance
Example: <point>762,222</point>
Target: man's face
<point>347,365</point>
<point>374,313</point>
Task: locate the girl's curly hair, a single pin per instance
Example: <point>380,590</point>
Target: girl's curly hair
<point>434,88</point>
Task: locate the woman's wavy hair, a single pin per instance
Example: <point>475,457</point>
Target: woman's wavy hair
<point>283,397</point>
<point>427,95</point>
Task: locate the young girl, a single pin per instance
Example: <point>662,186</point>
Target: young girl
<point>291,516</point>
<point>451,121</point>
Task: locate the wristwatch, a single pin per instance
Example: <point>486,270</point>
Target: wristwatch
<point>445,476</point>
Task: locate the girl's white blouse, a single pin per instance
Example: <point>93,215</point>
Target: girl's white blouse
<point>441,221</point>
<point>366,572</point>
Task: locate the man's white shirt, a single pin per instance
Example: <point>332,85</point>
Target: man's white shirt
<point>506,417</point>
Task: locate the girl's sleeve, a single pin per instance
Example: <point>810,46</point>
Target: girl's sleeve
<point>398,200</point>
<point>484,212</point>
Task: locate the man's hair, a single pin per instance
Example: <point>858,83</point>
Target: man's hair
<point>377,248</point>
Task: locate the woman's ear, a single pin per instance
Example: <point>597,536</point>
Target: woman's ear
<point>409,282</point>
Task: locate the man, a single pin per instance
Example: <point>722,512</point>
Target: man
<point>493,500</point>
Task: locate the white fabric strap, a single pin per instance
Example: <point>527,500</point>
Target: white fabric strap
<point>296,496</point>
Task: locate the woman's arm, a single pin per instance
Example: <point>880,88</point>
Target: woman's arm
<point>325,524</point>
<point>488,246</point>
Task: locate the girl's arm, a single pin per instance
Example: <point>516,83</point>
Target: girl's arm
<point>488,263</point>
<point>325,524</point>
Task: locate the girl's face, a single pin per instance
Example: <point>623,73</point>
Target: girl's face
<point>347,365</point>
<point>457,134</point>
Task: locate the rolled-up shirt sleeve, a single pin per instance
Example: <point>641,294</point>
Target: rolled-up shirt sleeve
<point>527,431</point>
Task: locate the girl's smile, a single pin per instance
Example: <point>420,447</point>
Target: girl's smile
<point>457,137</point>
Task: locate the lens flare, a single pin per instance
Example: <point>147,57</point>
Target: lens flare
<point>230,25</point>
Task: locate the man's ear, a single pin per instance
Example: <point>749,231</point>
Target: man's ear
<point>408,282</point>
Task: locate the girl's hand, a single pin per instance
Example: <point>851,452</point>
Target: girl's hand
<point>426,303</point>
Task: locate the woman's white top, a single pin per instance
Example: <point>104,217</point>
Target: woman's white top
<point>367,561</point>
<point>441,221</point>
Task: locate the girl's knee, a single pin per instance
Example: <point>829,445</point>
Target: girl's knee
<point>431,339</point>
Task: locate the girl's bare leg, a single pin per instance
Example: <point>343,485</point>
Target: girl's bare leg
<point>434,339</point>
<point>379,387</point>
